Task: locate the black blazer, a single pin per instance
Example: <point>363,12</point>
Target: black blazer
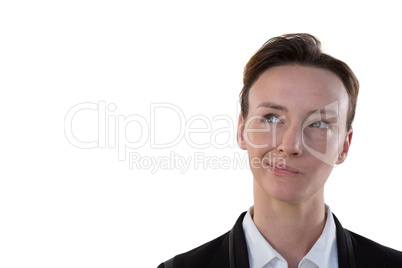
<point>353,251</point>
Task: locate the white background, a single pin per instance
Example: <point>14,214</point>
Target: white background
<point>62,206</point>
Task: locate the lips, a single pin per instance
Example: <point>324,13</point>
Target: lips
<point>283,167</point>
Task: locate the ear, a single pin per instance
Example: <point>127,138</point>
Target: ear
<point>346,146</point>
<point>240,132</point>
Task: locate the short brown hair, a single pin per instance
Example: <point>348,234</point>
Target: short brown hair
<point>303,49</point>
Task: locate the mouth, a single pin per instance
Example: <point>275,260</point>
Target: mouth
<point>284,170</point>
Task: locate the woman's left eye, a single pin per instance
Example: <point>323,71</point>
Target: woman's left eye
<point>320,124</point>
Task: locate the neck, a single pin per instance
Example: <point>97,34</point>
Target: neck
<point>291,228</point>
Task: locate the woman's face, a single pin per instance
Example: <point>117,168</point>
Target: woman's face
<point>295,130</point>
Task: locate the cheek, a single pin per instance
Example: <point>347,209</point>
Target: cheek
<point>321,142</point>
<point>259,138</point>
<point>257,148</point>
<point>317,174</point>
<point>322,173</point>
<point>317,142</point>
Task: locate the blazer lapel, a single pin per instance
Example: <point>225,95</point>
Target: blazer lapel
<point>240,245</point>
<point>343,256</point>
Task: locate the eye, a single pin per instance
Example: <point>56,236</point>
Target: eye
<point>271,118</point>
<point>320,124</point>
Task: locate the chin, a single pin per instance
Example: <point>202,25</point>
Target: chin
<point>285,191</point>
<point>288,197</point>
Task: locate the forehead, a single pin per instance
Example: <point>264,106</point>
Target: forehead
<point>299,88</point>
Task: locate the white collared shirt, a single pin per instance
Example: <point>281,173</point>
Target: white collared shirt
<point>324,253</point>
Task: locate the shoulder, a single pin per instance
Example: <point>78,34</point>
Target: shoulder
<point>373,254</point>
<point>214,253</point>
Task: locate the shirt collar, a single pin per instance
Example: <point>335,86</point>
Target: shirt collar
<point>260,252</point>
<point>323,254</point>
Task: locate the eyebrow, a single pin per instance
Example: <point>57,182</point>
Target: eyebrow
<point>273,106</point>
<point>283,108</point>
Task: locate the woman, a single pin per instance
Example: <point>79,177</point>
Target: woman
<point>297,109</point>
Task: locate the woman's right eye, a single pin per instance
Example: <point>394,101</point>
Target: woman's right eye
<point>271,118</point>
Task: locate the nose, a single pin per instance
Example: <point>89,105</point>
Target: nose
<point>291,144</point>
